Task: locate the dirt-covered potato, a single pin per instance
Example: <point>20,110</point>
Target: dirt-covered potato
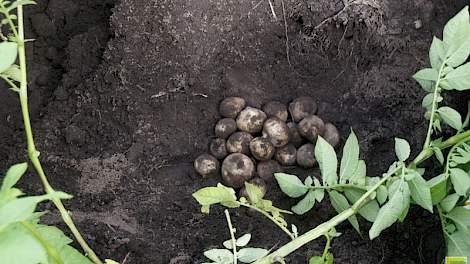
<point>331,134</point>
<point>239,142</point>
<point>306,156</point>
<point>236,169</point>
<point>218,148</point>
<point>294,136</point>
<point>276,131</point>
<point>266,169</point>
<point>260,183</point>
<point>302,107</point>
<point>277,109</point>
<point>225,127</point>
<point>251,120</point>
<point>286,155</point>
<point>206,165</point>
<point>310,127</point>
<point>262,148</point>
<point>231,106</point>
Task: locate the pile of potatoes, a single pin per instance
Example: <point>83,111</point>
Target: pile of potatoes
<point>254,143</point>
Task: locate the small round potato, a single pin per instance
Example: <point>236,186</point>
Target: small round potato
<point>251,120</point>
<point>218,148</point>
<point>225,127</point>
<point>277,109</point>
<point>231,106</point>
<point>236,169</point>
<point>239,142</point>
<point>294,136</point>
<point>262,148</point>
<point>206,165</point>
<point>310,127</point>
<point>331,134</point>
<point>266,169</point>
<point>286,155</point>
<point>260,183</point>
<point>306,156</point>
<point>276,131</point>
<point>302,107</point>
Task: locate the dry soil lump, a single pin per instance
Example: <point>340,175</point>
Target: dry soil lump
<point>276,131</point>
<point>310,127</point>
<point>251,120</point>
<point>206,165</point>
<point>302,107</point>
<point>236,169</point>
<point>262,148</point>
<point>231,106</point>
<point>225,127</point>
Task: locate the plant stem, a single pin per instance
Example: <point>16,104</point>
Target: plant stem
<point>50,250</point>
<point>232,235</point>
<point>327,247</point>
<point>427,142</point>
<point>33,154</point>
<point>339,186</point>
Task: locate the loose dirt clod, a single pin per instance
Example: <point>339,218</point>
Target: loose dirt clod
<point>206,165</point>
<point>306,156</point>
<point>239,142</point>
<point>310,127</point>
<point>231,106</point>
<point>277,109</point>
<point>251,120</point>
<point>218,148</point>
<point>236,169</point>
<point>266,169</point>
<point>286,155</point>
<point>276,131</point>
<point>262,148</point>
<point>331,134</point>
<point>302,107</point>
<point>225,127</point>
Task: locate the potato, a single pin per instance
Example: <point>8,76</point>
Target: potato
<point>206,165</point>
<point>286,155</point>
<point>266,169</point>
<point>251,120</point>
<point>231,106</point>
<point>331,134</point>
<point>218,148</point>
<point>225,127</point>
<point>260,183</point>
<point>262,148</point>
<point>236,169</point>
<point>277,109</point>
<point>294,136</point>
<point>276,131</point>
<point>306,156</point>
<point>310,127</point>
<point>239,142</point>
<point>302,107</point>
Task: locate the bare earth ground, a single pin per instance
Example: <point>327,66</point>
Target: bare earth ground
<point>124,96</point>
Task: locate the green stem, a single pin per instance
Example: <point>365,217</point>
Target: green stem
<point>232,236</point>
<point>49,249</point>
<point>33,154</point>
<point>327,247</point>
<point>427,142</point>
<point>339,186</point>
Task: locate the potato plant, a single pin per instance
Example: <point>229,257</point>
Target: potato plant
<point>384,199</point>
<point>20,230</point>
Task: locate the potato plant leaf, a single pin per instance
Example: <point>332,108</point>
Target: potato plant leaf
<point>8,53</point>
<point>461,217</point>
<point>420,191</point>
<point>426,78</point>
<point>460,180</point>
<point>254,192</point>
<point>13,176</point>
<point>369,210</point>
<point>448,203</point>
<point>327,161</point>
<point>249,255</point>
<point>291,185</point>
<point>436,53</point>
<point>402,149</point>
<point>458,244</point>
<point>458,79</point>
<point>214,195</point>
<point>450,117</point>
<point>219,255</point>
<point>340,203</point>
<point>350,157</point>
<point>456,35</point>
<point>359,175</point>
<point>14,240</point>
<point>438,186</point>
<point>306,204</point>
<point>382,194</point>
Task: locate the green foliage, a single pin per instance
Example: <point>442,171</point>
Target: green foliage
<point>326,157</point>
<point>402,149</point>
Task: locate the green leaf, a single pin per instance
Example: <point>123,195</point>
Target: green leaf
<point>319,193</point>
<point>350,158</point>
<point>316,260</point>
<point>438,186</point>
<point>72,256</point>
<point>340,203</point>
<point>110,261</point>
<point>402,149</point>
<point>420,191</point>
<point>214,195</point>
<point>18,246</point>
<point>369,210</point>
<point>451,117</point>
<point>456,35</point>
<point>458,244</point>
<point>13,175</point>
<point>306,204</point>
<point>243,240</point>
<point>393,209</point>
<point>8,53</point>
<point>54,236</point>
<point>448,203</point>
<point>219,255</point>
<point>426,78</point>
<point>439,155</point>
<point>254,192</point>
<point>460,180</point>
<point>458,79</point>
<point>359,176</point>
<point>436,53</point>
<point>248,255</point>
<point>427,101</point>
<point>290,185</point>
<point>13,72</point>
<point>382,194</point>
<point>326,157</point>
<point>461,217</point>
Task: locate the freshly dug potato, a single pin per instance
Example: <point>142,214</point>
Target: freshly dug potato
<point>231,106</point>
<point>266,169</point>
<point>218,148</point>
<point>259,183</point>
<point>206,165</point>
<point>236,169</point>
<point>277,109</point>
<point>306,156</point>
<point>251,120</point>
<point>302,107</point>
<point>286,155</point>
<point>331,134</point>
<point>294,136</point>
<point>310,127</point>
<point>225,127</point>
<point>262,148</point>
<point>276,131</point>
<point>239,142</point>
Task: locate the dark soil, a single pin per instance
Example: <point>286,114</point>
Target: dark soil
<point>124,96</point>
